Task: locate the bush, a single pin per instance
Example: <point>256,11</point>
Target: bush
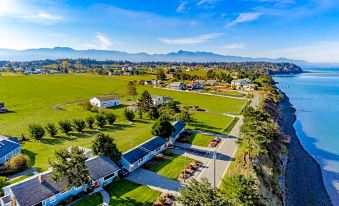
<point>79,125</point>
<point>129,115</point>
<point>3,183</point>
<point>110,118</point>
<point>90,121</point>
<point>51,129</point>
<point>18,162</point>
<point>36,131</point>
<point>100,120</point>
<point>87,106</point>
<point>153,113</point>
<point>65,126</point>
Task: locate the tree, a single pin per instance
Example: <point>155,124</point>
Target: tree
<point>145,102</point>
<point>90,121</point>
<point>162,127</point>
<point>65,126</point>
<point>52,129</point>
<point>240,189</point>
<point>64,66</point>
<point>186,116</point>
<point>18,162</point>
<point>129,115</point>
<point>70,166</point>
<point>36,131</point>
<point>201,193</point>
<point>131,89</point>
<point>153,113</point>
<point>140,113</point>
<point>100,120</point>
<point>105,145</point>
<point>79,125</point>
<point>160,75</point>
<point>110,118</point>
<point>168,111</point>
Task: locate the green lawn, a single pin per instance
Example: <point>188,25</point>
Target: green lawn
<point>200,139</point>
<point>93,200</point>
<point>125,193</point>
<point>208,121</point>
<point>21,178</point>
<point>171,168</point>
<point>32,99</point>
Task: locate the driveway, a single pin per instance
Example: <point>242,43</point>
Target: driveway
<point>154,181</point>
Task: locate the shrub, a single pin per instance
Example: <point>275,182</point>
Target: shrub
<point>129,115</point>
<point>51,129</point>
<point>18,162</point>
<point>65,126</point>
<point>36,131</point>
<point>90,121</point>
<point>87,106</point>
<point>79,125</point>
<point>110,118</point>
<point>153,113</point>
<point>100,120</point>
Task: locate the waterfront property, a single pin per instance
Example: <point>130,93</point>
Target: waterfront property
<point>139,155</point>
<point>176,86</point>
<point>9,147</point>
<point>42,190</point>
<point>245,84</point>
<point>102,170</point>
<point>105,101</point>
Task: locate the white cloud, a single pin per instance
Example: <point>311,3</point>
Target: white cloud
<point>24,10</point>
<point>234,46</point>
<point>182,7</point>
<point>191,40</point>
<point>206,3</point>
<point>244,17</point>
<point>100,42</point>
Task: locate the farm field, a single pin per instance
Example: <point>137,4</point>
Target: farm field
<point>171,168</point>
<point>51,98</point>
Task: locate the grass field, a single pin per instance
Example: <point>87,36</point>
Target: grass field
<point>200,139</point>
<point>125,193</point>
<point>33,99</point>
<point>171,168</point>
<point>93,200</point>
<point>209,121</point>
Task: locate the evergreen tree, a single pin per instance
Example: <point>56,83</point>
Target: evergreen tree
<point>105,145</point>
<point>51,129</point>
<point>145,102</point>
<point>131,89</point>
<point>36,131</point>
<point>65,126</point>
<point>162,127</point>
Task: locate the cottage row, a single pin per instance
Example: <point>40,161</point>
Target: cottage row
<point>42,190</point>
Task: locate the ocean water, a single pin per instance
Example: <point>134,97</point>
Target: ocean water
<point>316,99</point>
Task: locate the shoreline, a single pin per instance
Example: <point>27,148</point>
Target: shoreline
<point>304,180</point>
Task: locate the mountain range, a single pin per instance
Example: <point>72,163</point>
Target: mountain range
<point>180,56</point>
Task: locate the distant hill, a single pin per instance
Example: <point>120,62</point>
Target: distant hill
<point>180,56</point>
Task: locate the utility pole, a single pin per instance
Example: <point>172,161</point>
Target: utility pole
<point>214,168</point>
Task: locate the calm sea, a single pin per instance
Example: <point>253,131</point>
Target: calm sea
<point>316,98</point>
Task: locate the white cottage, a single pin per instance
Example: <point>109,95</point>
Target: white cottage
<point>105,102</point>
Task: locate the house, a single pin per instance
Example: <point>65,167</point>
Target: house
<point>9,147</point>
<point>157,100</point>
<point>102,170</point>
<point>179,127</point>
<point>2,107</point>
<point>139,155</point>
<point>176,86</point>
<point>105,101</point>
<point>42,190</point>
<point>39,190</point>
<point>244,84</point>
<point>193,85</point>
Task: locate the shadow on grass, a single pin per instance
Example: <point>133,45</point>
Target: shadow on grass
<point>201,126</point>
<point>32,156</point>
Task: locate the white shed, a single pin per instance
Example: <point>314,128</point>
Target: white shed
<point>105,102</point>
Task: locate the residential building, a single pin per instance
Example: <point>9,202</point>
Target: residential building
<point>133,107</point>
<point>139,155</point>
<point>9,147</point>
<point>179,127</point>
<point>102,170</point>
<point>244,84</point>
<point>194,85</point>
<point>176,86</point>
<point>157,100</point>
<point>2,107</point>
<point>42,190</point>
<point>105,101</point>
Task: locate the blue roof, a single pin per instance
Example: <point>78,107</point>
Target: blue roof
<point>142,150</point>
<point>178,126</point>
<point>99,167</point>
<point>7,146</point>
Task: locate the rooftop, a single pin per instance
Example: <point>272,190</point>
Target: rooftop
<point>178,126</point>
<point>8,144</point>
<point>105,98</point>
<point>99,167</point>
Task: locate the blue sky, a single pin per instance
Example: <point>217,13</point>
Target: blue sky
<point>299,29</point>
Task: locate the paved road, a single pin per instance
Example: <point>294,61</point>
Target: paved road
<point>23,173</point>
<point>255,101</point>
<point>105,196</point>
<point>154,181</point>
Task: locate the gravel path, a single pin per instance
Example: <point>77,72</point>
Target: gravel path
<point>304,179</point>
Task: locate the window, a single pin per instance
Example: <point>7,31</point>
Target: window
<point>109,176</point>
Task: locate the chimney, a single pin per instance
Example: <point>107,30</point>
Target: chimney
<point>41,178</point>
